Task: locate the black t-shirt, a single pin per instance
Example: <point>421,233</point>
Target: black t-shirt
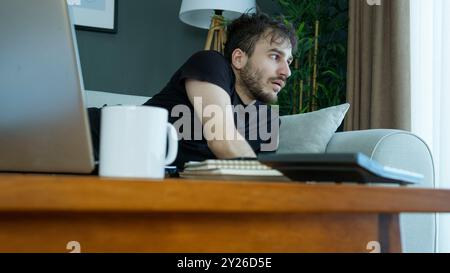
<point>212,67</point>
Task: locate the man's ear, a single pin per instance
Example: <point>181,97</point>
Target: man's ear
<point>239,59</point>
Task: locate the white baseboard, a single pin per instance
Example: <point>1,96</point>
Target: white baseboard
<point>99,98</point>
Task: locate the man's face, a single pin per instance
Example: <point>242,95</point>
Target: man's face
<point>267,70</point>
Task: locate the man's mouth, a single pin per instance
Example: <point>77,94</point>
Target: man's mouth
<point>278,83</point>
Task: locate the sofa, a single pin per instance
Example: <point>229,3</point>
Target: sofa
<point>398,149</point>
<point>402,150</point>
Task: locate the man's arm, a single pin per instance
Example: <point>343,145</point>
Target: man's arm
<point>212,94</point>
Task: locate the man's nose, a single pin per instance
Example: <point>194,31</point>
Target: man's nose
<point>285,70</point>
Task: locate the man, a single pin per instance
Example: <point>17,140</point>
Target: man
<point>253,71</point>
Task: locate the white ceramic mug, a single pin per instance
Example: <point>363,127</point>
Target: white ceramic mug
<point>133,141</point>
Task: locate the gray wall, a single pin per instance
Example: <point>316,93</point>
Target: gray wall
<point>150,45</point>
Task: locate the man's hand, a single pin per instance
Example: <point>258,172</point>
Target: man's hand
<point>218,143</point>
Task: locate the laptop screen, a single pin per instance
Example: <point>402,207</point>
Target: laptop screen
<point>43,121</point>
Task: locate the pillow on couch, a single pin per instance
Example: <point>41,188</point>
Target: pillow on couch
<point>310,132</point>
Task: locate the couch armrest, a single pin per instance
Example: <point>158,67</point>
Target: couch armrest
<point>398,149</point>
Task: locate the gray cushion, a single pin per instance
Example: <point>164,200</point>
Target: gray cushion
<point>310,132</point>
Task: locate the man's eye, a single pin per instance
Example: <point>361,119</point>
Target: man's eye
<point>274,57</point>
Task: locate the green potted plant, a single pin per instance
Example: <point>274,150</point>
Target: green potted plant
<point>318,77</point>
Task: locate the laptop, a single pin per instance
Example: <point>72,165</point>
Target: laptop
<point>43,122</point>
<point>338,167</point>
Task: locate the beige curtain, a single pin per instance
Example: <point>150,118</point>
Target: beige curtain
<point>378,77</point>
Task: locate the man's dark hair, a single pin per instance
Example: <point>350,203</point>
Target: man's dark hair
<point>244,32</point>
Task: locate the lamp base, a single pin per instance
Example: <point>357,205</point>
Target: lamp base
<point>216,35</point>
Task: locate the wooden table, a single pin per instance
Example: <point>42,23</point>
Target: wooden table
<point>43,213</point>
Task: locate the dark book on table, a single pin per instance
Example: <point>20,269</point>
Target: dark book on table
<point>355,167</point>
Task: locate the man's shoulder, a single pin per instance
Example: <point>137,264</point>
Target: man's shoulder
<point>212,53</point>
<point>209,66</point>
<point>208,56</point>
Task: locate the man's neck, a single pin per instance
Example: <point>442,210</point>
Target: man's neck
<point>243,92</point>
<point>243,95</point>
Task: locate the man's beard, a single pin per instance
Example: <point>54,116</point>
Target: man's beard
<point>251,79</point>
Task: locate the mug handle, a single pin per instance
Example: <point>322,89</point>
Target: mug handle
<point>172,143</point>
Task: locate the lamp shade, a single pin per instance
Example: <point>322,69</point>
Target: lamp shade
<point>198,13</point>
